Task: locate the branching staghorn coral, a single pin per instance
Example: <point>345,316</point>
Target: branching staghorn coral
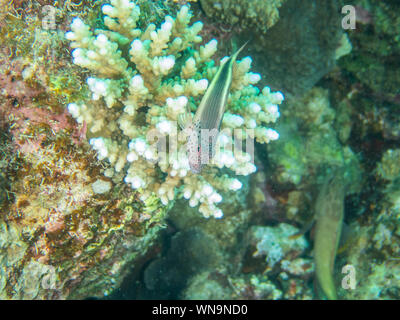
<point>146,77</point>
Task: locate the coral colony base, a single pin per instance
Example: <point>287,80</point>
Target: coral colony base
<point>144,79</point>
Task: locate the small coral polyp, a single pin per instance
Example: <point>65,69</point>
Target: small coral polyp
<point>146,77</point>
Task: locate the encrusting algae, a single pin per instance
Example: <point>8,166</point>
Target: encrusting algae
<point>57,231</point>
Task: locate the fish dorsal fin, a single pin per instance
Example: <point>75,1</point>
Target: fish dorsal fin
<point>185,117</point>
<point>183,120</point>
<point>234,56</point>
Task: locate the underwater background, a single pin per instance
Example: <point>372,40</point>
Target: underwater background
<point>88,209</point>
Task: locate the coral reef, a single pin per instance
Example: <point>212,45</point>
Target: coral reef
<point>300,45</point>
<point>286,279</point>
<point>389,170</point>
<point>305,40</point>
<point>274,242</point>
<point>375,250</point>
<point>257,15</point>
<point>90,206</point>
<point>66,230</point>
<point>230,257</point>
<point>145,79</point>
<point>376,42</point>
<point>310,141</point>
<point>57,228</point>
<point>57,233</point>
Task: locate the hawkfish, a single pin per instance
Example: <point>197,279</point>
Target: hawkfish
<point>202,130</point>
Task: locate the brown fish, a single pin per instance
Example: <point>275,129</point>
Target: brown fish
<point>203,129</point>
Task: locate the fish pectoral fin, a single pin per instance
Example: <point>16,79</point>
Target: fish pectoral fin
<point>184,119</point>
<point>347,237</point>
<point>307,227</point>
<point>181,121</point>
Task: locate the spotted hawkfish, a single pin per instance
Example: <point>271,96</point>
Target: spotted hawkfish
<point>202,130</point>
